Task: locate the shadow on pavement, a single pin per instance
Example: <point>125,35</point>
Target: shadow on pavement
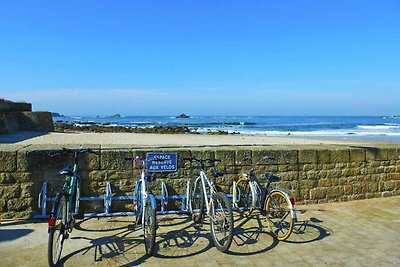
<point>113,250</point>
<point>112,224</point>
<point>250,238</point>
<point>12,234</point>
<point>308,231</point>
<point>182,243</point>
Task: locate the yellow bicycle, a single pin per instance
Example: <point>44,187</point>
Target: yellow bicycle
<point>276,204</point>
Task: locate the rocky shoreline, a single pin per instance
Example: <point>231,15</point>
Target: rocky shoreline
<point>95,128</point>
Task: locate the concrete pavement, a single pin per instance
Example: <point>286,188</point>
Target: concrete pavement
<point>357,233</point>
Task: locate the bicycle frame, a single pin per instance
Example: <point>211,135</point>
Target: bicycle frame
<point>204,179</point>
<point>143,194</point>
<point>261,193</point>
<point>74,180</point>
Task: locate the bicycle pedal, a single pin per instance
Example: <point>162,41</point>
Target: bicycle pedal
<point>131,227</point>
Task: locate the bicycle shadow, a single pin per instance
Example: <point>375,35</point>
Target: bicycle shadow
<point>250,237</point>
<point>308,231</point>
<point>120,246</point>
<point>186,242</point>
<point>113,224</point>
<point>120,249</point>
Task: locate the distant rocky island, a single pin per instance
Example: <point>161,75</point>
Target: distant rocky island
<point>182,116</point>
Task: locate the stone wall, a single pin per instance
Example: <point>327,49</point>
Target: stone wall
<point>19,116</point>
<point>315,174</point>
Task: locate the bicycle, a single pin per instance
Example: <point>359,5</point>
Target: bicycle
<point>278,204</point>
<point>65,209</point>
<point>217,204</point>
<point>144,206</point>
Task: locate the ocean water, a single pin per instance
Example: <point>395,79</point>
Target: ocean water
<point>354,127</point>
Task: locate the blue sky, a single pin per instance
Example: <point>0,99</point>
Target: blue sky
<point>202,57</point>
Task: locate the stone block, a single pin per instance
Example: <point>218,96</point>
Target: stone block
<point>112,175</point>
<point>3,205</point>
<point>10,191</point>
<point>323,157</point>
<point>308,156</point>
<point>370,153</point>
<point>20,204</point>
<point>387,194</point>
<point>324,182</point>
<point>289,176</point>
<point>9,106</point>
<point>390,185</point>
<point>22,177</point>
<point>31,159</point>
<point>381,154</point>
<point>334,192</point>
<point>6,178</point>
<point>8,161</point>
<point>182,154</point>
<point>27,190</point>
<point>202,154</point>
<point>393,154</point>
<point>318,193</point>
<point>115,160</point>
<point>279,156</point>
<point>241,154</point>
<point>37,121</point>
<point>357,155</point>
<point>340,155</point>
<point>373,187</point>
<point>348,190</point>
<point>227,157</point>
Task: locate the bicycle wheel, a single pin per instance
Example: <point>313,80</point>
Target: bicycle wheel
<point>279,217</point>
<point>57,232</point>
<point>221,218</point>
<point>149,227</point>
<point>244,198</point>
<point>197,202</point>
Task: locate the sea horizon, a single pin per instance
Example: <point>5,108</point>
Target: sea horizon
<point>382,127</point>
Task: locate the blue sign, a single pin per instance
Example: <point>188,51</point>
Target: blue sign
<point>161,162</point>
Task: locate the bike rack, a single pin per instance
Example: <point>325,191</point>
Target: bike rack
<point>108,198</point>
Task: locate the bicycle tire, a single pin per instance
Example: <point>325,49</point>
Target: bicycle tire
<point>221,221</point>
<point>244,201</point>
<point>278,215</point>
<point>149,227</point>
<point>58,231</point>
<point>197,202</point>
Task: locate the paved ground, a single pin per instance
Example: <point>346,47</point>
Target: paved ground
<point>358,233</point>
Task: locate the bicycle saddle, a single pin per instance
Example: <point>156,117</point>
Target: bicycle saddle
<point>271,177</point>
<point>66,171</point>
<point>216,173</point>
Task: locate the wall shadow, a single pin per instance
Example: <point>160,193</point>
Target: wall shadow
<point>19,136</point>
<point>12,234</point>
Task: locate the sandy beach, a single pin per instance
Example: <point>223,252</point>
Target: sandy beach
<point>169,140</point>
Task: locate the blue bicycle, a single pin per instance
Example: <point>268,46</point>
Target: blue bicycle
<point>66,206</point>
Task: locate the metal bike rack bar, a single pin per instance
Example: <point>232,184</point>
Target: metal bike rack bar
<point>108,198</point>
